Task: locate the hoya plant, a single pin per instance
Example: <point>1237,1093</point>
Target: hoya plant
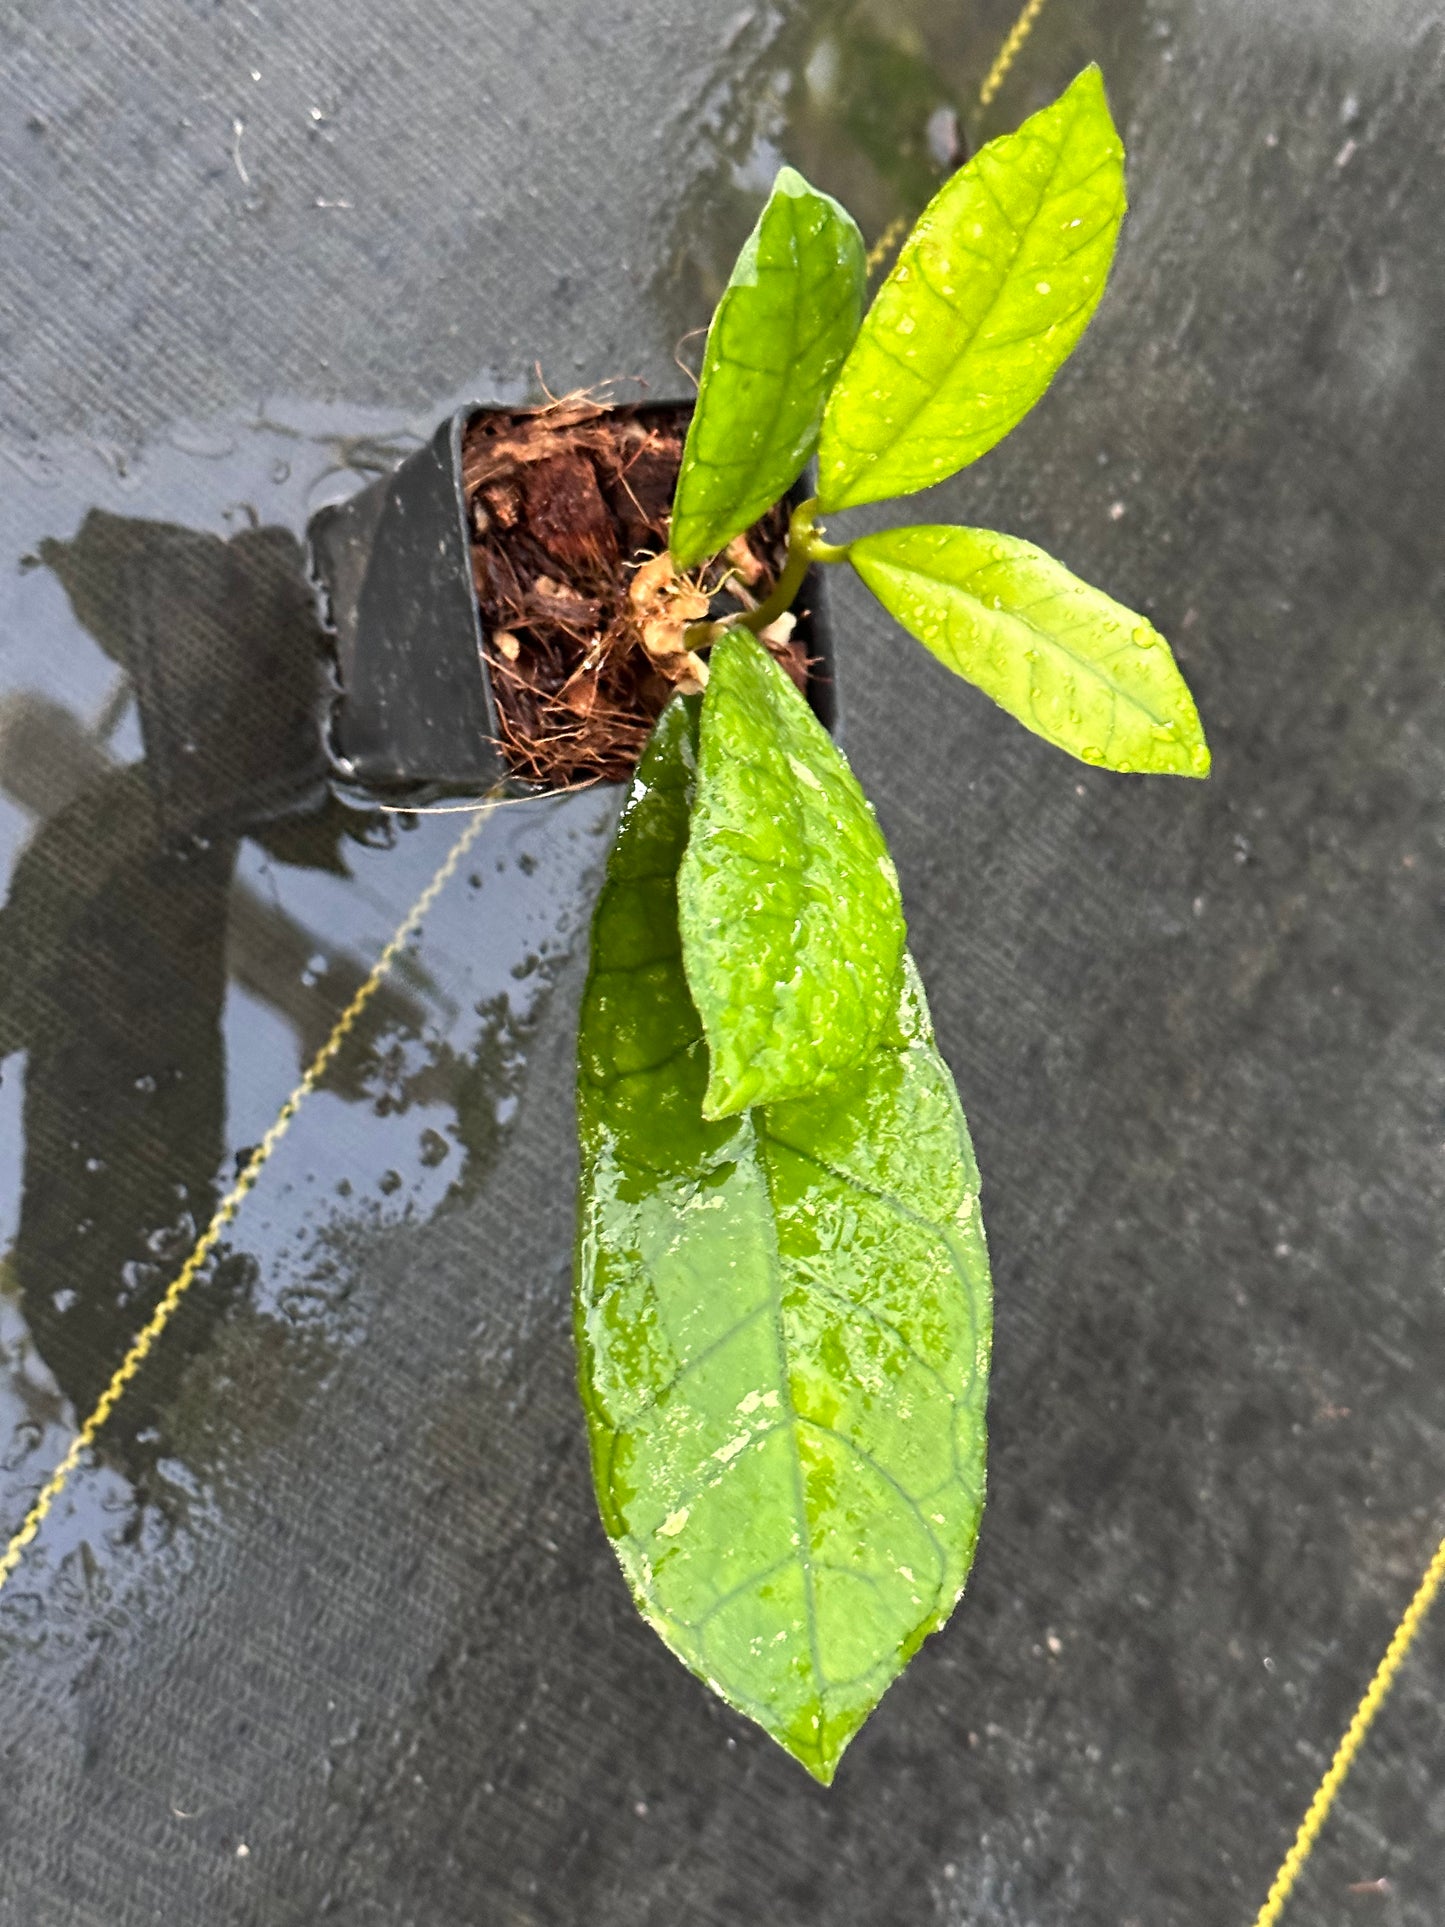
<point>782,1298</point>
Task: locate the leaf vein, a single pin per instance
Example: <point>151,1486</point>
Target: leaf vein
<point>657,1394</point>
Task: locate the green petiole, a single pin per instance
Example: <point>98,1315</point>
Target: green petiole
<point>806,545</point>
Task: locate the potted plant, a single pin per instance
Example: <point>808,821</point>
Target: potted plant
<point>486,602</point>
<point>782,1302</point>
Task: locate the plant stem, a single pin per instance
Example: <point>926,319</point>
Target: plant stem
<point>805,547</point>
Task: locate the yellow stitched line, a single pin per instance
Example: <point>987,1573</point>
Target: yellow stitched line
<point>998,73</point>
<point>1349,1747</point>
<point>886,242</point>
<point>1008,53</point>
<point>226,1210</point>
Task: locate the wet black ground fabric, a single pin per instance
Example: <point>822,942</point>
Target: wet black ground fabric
<point>329,1629</point>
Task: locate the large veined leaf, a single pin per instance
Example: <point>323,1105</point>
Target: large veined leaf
<point>778,338</point>
<point>988,296</point>
<point>782,1321</point>
<point>792,926</point>
<point>1069,662</point>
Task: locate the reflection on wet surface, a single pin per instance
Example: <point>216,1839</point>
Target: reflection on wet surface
<point>189,909</point>
<point>189,906</point>
<point>876,101</point>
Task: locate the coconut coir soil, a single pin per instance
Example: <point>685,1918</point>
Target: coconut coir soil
<point>583,619</point>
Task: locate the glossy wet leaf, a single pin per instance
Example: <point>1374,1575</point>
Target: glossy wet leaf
<point>792,926</point>
<point>778,338</point>
<point>988,296</point>
<point>782,1322</point>
<point>1070,663</point>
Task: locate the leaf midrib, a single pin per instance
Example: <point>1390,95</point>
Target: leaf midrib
<point>791,1421</point>
<point>795,1457</point>
<point>792,1417</point>
<point>809,905</point>
<point>1045,636</point>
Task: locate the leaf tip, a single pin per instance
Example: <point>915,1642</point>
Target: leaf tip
<point>1085,103</point>
<point>728,1090</point>
<point>1193,757</point>
<point>818,1752</point>
<point>1087,88</point>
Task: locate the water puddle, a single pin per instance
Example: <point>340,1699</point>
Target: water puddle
<point>875,102</point>
<point>188,908</point>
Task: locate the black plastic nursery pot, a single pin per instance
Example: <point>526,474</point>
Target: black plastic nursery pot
<point>415,715</point>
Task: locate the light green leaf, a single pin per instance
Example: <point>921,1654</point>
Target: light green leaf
<point>781,330</point>
<point>782,1322</point>
<point>792,925</point>
<point>1071,664</point>
<point>989,294</point>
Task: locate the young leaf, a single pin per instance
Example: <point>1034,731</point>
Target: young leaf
<point>782,1324</point>
<point>781,330</point>
<point>1066,660</point>
<point>792,926</point>
<point>989,294</point>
